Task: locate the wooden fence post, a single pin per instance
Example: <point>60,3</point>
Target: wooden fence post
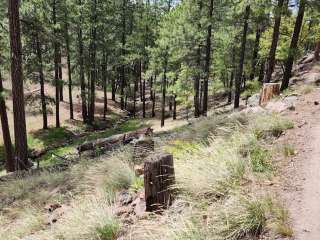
<point>159,180</point>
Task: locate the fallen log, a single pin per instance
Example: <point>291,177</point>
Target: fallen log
<point>114,140</point>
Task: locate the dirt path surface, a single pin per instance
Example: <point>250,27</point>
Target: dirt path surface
<point>302,185</point>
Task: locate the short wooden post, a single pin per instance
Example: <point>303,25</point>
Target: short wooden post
<point>269,90</point>
<point>142,148</point>
<point>158,181</point>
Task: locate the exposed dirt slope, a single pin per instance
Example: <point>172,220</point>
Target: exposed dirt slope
<point>302,186</point>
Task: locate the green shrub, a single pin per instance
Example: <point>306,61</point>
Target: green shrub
<point>138,183</point>
<point>260,159</point>
<point>109,231</point>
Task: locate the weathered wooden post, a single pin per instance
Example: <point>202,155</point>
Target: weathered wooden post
<point>158,181</point>
<point>269,90</point>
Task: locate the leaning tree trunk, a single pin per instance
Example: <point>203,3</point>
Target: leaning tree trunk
<point>81,70</point>
<point>274,44</point>
<point>208,61</point>
<point>242,56</point>
<point>20,131</point>
<point>293,45</point>
<point>41,78</point>
<point>10,166</point>
<point>56,65</point>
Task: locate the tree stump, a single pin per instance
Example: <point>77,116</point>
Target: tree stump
<point>158,181</point>
<point>269,90</point>
<point>142,148</point>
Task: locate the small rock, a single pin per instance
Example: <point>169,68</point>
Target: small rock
<point>55,215</point>
<point>126,210</point>
<point>125,198</point>
<point>316,103</point>
<point>254,100</point>
<point>52,207</point>
<point>139,170</point>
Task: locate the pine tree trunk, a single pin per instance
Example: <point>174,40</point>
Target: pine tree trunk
<point>207,61</point>
<point>196,85</point>
<point>242,56</point>
<point>56,65</point>
<point>274,44</point>
<point>20,132</point>
<point>317,51</point>
<point>105,84</point>
<point>93,71</point>
<point>61,77</point>
<point>41,78</point>
<point>174,115</point>
<point>67,38</point>
<point>144,99</point>
<point>123,42</point>
<point>293,46</point>
<point>164,86</point>
<point>81,70</point>
<point>255,53</point>
<point>10,164</point>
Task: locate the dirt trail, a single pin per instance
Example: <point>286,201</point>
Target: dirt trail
<point>302,187</point>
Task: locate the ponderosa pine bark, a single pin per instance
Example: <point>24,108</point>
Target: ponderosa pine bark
<point>164,87</point>
<point>10,165</point>
<point>41,80</point>
<point>293,46</point>
<point>274,44</point>
<point>67,39</point>
<point>105,84</point>
<point>207,61</point>
<point>93,53</point>
<point>60,75</point>
<point>255,52</point>
<point>123,42</point>
<point>317,51</point>
<point>81,69</point>
<point>56,64</point>
<point>20,132</point>
<point>196,85</point>
<point>242,56</point>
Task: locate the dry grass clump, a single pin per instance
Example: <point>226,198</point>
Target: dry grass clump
<point>270,125</point>
<point>21,223</point>
<point>217,177</point>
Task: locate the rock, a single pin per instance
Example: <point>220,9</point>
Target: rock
<point>253,100</point>
<point>256,109</point>
<point>139,208</point>
<point>277,106</point>
<point>123,211</point>
<point>312,78</point>
<point>55,215</point>
<point>125,198</point>
<point>139,170</point>
<point>52,207</point>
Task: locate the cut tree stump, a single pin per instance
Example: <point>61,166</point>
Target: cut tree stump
<point>269,90</point>
<point>142,148</point>
<point>158,181</point>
